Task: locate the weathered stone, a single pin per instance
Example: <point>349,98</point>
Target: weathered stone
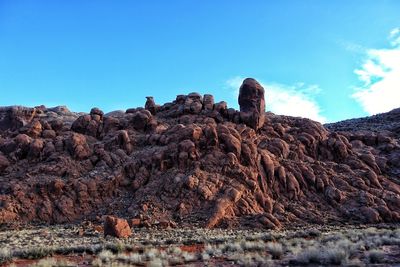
<point>150,105</point>
<point>141,119</point>
<point>252,103</point>
<point>116,227</point>
<point>15,117</point>
<point>49,134</point>
<point>198,162</point>
<point>4,162</point>
<point>78,146</point>
<point>208,102</point>
<point>97,111</point>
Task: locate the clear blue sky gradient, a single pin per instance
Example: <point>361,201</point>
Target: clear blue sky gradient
<point>112,54</point>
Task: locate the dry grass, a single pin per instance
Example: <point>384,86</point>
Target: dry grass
<point>316,245</point>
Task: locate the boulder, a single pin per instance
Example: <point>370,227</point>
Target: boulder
<point>4,163</point>
<point>78,146</point>
<point>208,102</point>
<point>150,105</point>
<point>252,103</point>
<point>116,227</point>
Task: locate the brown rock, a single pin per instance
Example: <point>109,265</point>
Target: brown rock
<point>15,117</point>
<point>150,105</point>
<point>196,162</point>
<point>35,148</point>
<point>135,223</point>
<point>370,215</point>
<point>252,103</point>
<point>116,227</point>
<point>78,146</point>
<point>50,134</point>
<point>141,119</point>
<point>35,129</point>
<point>208,102</point>
<point>98,112</point>
<point>4,163</point>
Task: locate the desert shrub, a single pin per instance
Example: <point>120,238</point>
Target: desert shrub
<point>156,262</point>
<point>117,247</point>
<point>311,255</point>
<point>174,250</point>
<point>275,249</point>
<point>151,254</point>
<point>5,255</point>
<point>333,237</point>
<point>35,253</point>
<point>307,233</point>
<point>51,262</point>
<point>376,256</point>
<point>205,256</point>
<point>313,232</point>
<point>252,245</point>
<point>232,247</point>
<point>250,260</point>
<point>390,240</point>
<point>211,250</point>
<point>189,257</point>
<point>106,256</point>
<point>267,237</point>
<point>335,256</point>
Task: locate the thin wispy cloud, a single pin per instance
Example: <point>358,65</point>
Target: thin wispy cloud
<point>293,100</point>
<point>352,47</point>
<point>380,77</point>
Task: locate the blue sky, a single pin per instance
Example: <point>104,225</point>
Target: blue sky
<point>327,60</point>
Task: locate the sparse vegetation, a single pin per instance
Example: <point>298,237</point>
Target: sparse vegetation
<point>275,249</point>
<point>316,245</point>
<point>376,256</point>
<point>5,255</point>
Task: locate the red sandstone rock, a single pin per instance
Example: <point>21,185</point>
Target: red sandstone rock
<point>150,105</point>
<point>252,103</point>
<point>116,227</point>
<point>134,223</point>
<point>194,161</point>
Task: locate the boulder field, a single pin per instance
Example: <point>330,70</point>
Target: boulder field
<point>196,162</point>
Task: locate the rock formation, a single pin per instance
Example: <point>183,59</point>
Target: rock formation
<point>150,105</point>
<point>252,103</point>
<point>116,227</point>
<point>196,161</point>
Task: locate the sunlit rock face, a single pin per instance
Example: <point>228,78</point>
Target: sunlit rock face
<point>252,103</point>
<point>196,162</point>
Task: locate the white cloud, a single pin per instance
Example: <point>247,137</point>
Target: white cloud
<point>380,75</point>
<point>293,100</point>
<point>394,37</point>
<point>352,47</point>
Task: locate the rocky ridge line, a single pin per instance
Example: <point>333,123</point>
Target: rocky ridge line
<point>193,161</point>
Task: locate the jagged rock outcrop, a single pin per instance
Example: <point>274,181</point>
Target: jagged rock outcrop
<point>196,161</point>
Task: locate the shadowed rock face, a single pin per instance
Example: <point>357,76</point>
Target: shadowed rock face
<point>150,105</point>
<point>252,103</point>
<point>15,116</point>
<point>196,161</point>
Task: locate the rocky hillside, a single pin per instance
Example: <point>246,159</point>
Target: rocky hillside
<point>193,161</point>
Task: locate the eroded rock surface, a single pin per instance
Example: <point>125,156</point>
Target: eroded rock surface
<point>252,103</point>
<point>196,161</point>
<point>116,227</point>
